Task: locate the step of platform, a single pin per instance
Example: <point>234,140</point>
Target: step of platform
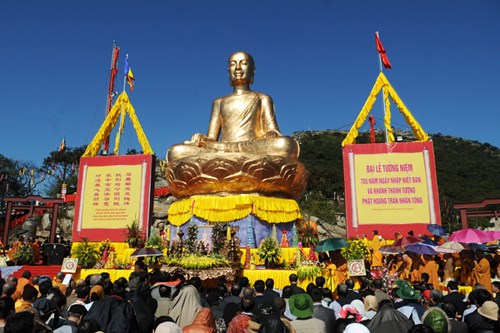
<point>39,270</point>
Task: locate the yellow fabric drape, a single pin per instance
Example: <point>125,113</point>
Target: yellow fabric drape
<point>383,83</point>
<point>122,103</point>
<point>231,208</point>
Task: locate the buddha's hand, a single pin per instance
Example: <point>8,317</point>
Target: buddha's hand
<point>197,139</point>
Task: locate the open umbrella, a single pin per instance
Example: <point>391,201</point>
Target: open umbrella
<point>455,246</point>
<point>331,244</point>
<point>476,246</point>
<point>389,249</point>
<point>471,236</point>
<point>420,248</point>
<point>436,230</point>
<point>147,252</point>
<point>405,241</point>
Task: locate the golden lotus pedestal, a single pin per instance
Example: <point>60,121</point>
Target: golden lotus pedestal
<point>236,173</point>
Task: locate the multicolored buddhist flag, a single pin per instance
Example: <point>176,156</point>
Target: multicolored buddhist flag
<point>128,74</point>
<point>381,51</point>
<point>62,146</point>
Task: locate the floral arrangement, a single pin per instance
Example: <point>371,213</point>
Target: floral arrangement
<point>388,279</point>
<point>195,261</point>
<point>356,250</point>
<point>25,255</point>
<point>308,270</point>
<point>308,233</point>
<point>155,242</point>
<point>269,251</point>
<point>87,253</point>
<point>134,235</point>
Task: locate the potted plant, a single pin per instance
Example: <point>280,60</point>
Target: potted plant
<point>133,235</point>
<point>269,251</point>
<point>87,253</point>
<point>355,254</point>
<point>25,255</point>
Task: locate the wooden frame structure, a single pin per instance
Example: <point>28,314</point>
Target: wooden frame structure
<point>30,203</point>
<point>477,209</point>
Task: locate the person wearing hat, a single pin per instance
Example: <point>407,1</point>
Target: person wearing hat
<point>436,319</point>
<point>76,313</point>
<point>301,306</point>
<point>407,302</point>
<point>489,318</point>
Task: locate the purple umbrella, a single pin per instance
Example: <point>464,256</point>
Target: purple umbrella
<point>420,248</point>
<point>436,230</point>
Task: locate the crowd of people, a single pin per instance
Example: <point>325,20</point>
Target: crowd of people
<point>424,297</point>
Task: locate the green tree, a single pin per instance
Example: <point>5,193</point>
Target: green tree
<point>62,167</point>
<point>17,178</point>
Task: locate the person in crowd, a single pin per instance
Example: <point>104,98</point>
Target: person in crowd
<point>378,291</point>
<point>89,326</point>
<point>320,282</point>
<point>22,322</point>
<point>302,307</point>
<point>213,300</point>
<point>351,293</point>
<point>389,319</point>
<point>479,298</point>
<point>75,315</point>
<point>454,297</point>
<point>280,305</point>
<point>495,285</point>
<point>28,296</point>
<point>269,292</point>
<point>456,326</point>
<point>342,294</point>
<point>481,272</point>
<point>436,319</point>
<point>22,282</point>
<point>58,282</point>
<point>325,314</point>
<point>259,287</point>
<point>6,310</point>
<point>204,322</point>
<point>436,298</point>
<point>185,306</point>
<point>356,328</point>
<point>82,296</point>
<point>164,301</point>
<point>488,322</point>
<point>294,279</point>
<point>233,297</point>
<point>286,294</point>
<point>376,243</point>
<point>245,320</point>
<point>431,268</point>
<point>371,306</point>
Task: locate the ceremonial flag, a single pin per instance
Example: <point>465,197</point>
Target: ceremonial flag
<point>62,146</point>
<point>381,51</point>
<point>128,74</point>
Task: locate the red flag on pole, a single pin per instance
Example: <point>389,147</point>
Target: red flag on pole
<point>381,51</point>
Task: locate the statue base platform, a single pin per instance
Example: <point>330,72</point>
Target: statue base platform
<point>236,173</point>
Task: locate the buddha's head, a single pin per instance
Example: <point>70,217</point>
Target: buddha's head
<point>241,68</point>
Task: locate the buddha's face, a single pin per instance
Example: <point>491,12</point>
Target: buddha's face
<point>241,69</point>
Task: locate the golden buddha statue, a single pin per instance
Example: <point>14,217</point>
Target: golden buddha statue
<point>252,155</point>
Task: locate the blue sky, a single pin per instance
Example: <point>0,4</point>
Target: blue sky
<point>317,59</point>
